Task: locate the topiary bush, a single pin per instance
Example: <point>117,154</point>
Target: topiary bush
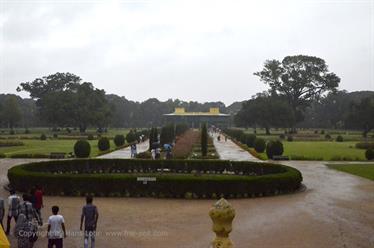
<point>328,136</point>
<point>82,149</point>
<point>250,141</point>
<point>274,148</point>
<point>339,138</point>
<point>103,144</point>
<point>43,136</point>
<point>260,145</point>
<point>289,138</point>
<point>131,137</point>
<point>369,154</point>
<point>119,140</point>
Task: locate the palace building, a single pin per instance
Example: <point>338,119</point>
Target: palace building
<point>195,119</point>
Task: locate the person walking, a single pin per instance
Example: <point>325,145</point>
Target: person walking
<point>90,216</point>
<point>13,211</point>
<point>28,210</point>
<point>38,204</point>
<point>56,229</point>
<point>22,232</point>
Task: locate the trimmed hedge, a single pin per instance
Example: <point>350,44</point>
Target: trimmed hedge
<point>103,144</point>
<point>118,177</point>
<point>119,140</point>
<point>260,145</point>
<point>369,154</point>
<point>82,149</point>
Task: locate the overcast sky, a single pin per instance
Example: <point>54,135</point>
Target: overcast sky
<point>191,50</point>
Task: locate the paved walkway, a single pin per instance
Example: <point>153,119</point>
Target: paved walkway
<point>126,152</point>
<point>228,150</point>
<point>336,210</point>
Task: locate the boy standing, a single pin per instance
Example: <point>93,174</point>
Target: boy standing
<point>56,229</point>
<point>90,216</point>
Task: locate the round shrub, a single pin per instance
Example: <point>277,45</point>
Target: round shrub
<point>82,149</point>
<point>43,136</point>
<point>119,140</point>
<point>260,145</point>
<point>328,136</point>
<point>103,144</point>
<point>282,136</point>
<point>131,137</point>
<point>250,142</point>
<point>90,137</point>
<point>290,138</point>
<point>369,154</point>
<point>339,138</point>
<point>274,148</point>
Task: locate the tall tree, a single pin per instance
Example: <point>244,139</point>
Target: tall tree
<point>265,111</point>
<point>300,79</point>
<point>11,112</point>
<point>361,115</point>
<point>62,100</point>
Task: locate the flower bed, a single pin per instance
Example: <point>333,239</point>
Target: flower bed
<point>174,178</point>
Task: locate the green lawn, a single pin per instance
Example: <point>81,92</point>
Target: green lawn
<point>327,150</point>
<point>48,146</point>
<point>362,170</point>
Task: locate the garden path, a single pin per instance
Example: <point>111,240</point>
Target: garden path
<point>125,152</point>
<point>228,150</point>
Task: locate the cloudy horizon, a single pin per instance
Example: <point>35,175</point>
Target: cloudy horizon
<point>190,50</point>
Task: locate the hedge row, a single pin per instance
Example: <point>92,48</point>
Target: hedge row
<point>118,177</point>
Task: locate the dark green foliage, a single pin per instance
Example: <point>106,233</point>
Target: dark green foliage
<point>108,176</point>
<point>260,145</point>
<point>167,135</point>
<point>328,136</point>
<point>365,145</point>
<point>12,132</point>
<point>274,148</point>
<point>55,135</point>
<point>119,140</point>
<point>369,154</point>
<point>90,137</point>
<point>361,115</point>
<point>2,155</point>
<point>282,136</point>
<point>250,141</point>
<point>322,131</point>
<point>9,143</point>
<point>289,138</point>
<point>204,140</point>
<point>82,149</point>
<point>103,144</point>
<point>339,138</point>
<point>131,137</point>
<point>180,128</point>
<point>43,137</point>
<point>27,131</point>
<point>29,155</point>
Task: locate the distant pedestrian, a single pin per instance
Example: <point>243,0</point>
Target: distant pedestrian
<point>56,229</point>
<point>90,216</point>
<point>13,211</point>
<point>157,153</point>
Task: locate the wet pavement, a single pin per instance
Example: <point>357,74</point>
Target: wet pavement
<point>126,152</point>
<point>336,210</point>
<point>228,150</point>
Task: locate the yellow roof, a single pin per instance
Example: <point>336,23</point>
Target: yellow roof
<point>182,112</point>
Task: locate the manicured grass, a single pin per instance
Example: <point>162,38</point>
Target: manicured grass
<point>48,146</point>
<point>362,170</point>
<point>327,150</point>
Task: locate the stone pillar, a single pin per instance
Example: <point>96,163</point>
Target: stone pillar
<point>222,215</point>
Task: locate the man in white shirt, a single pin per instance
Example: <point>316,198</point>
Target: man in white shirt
<point>56,229</point>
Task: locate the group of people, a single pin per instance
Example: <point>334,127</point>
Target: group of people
<point>28,218</point>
